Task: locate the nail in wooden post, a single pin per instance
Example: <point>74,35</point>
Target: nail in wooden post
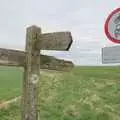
<point>31,75</point>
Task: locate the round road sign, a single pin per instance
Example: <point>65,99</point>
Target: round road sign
<point>112,26</point>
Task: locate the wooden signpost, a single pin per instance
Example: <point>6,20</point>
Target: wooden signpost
<point>30,60</point>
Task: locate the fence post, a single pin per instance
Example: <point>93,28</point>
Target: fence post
<point>31,75</point>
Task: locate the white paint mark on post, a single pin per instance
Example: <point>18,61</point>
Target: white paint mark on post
<point>34,79</point>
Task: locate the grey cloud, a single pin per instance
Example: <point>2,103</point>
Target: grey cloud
<point>85,19</point>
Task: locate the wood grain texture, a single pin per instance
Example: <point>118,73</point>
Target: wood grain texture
<point>31,75</point>
<point>59,41</point>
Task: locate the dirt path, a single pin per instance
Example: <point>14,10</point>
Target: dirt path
<point>6,103</point>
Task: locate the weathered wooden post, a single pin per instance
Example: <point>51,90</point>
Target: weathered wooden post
<point>35,41</point>
<point>31,75</point>
<point>30,60</point>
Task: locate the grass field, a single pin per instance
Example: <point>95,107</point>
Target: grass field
<point>85,93</point>
<point>10,82</point>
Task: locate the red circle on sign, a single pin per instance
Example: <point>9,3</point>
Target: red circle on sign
<point>106,27</point>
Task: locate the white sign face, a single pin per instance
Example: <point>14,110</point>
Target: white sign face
<point>111,55</point>
<point>112,26</point>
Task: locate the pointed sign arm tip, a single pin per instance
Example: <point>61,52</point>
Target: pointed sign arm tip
<point>71,41</point>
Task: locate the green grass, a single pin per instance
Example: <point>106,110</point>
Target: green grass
<point>85,93</point>
<point>10,82</point>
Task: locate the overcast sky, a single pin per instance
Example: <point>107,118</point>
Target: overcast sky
<point>83,18</point>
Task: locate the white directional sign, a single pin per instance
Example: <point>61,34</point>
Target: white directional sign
<point>111,55</point>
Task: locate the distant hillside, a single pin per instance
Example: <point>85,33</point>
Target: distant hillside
<point>54,63</point>
<point>46,62</point>
<point>17,58</point>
